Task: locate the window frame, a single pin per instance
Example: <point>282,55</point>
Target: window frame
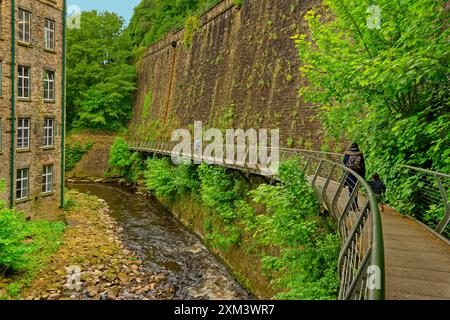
<point>23,142</point>
<point>21,78</point>
<point>1,135</point>
<point>24,21</point>
<point>47,178</point>
<point>1,73</point>
<point>49,85</point>
<point>24,189</point>
<point>49,140</point>
<point>49,34</point>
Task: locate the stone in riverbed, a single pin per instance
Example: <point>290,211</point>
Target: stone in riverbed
<point>124,278</point>
<point>110,276</point>
<point>92,291</point>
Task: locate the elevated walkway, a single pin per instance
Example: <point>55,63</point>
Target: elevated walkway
<point>383,255</point>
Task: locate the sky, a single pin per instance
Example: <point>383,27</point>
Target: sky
<point>123,8</point>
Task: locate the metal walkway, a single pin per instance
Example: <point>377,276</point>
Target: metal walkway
<point>383,255</point>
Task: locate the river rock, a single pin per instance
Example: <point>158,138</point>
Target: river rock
<point>124,278</point>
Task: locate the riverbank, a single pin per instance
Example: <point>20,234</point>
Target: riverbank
<point>92,243</point>
<point>165,245</point>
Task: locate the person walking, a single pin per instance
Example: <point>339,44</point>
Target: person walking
<point>354,160</point>
<point>379,188</point>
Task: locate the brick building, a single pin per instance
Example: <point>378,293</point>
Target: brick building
<point>32,102</point>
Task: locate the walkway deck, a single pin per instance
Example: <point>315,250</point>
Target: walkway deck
<point>417,263</point>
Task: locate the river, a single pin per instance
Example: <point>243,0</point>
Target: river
<point>166,246</point>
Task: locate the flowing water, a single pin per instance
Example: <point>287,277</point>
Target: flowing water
<point>166,246</point>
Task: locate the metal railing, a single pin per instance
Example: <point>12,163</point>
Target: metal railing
<point>430,198</point>
<point>361,260</point>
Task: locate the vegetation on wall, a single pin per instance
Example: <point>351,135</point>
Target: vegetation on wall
<point>190,28</point>
<point>383,85</point>
<point>74,152</point>
<point>100,73</point>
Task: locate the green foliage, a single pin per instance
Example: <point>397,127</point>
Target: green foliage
<point>153,19</point>
<point>100,77</point>
<point>238,3</point>
<point>386,88</point>
<point>74,152</point>
<point>25,246</point>
<point>190,28</point>
<point>148,99</point>
<point>307,244</point>
<point>124,162</point>
<point>13,232</point>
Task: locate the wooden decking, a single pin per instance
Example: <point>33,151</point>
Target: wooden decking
<point>417,262</point>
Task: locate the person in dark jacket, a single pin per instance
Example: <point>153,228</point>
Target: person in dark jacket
<point>354,160</point>
<point>379,188</point>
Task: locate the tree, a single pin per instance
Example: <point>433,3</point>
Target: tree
<point>101,78</point>
<point>153,19</point>
<point>384,85</point>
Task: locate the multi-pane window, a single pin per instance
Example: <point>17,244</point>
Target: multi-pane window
<point>47,179</point>
<point>49,34</point>
<point>24,26</point>
<point>1,135</point>
<point>22,184</point>
<point>24,82</point>
<point>48,132</point>
<point>49,85</point>
<point>23,134</point>
<point>1,18</point>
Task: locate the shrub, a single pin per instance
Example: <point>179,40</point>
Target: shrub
<point>13,232</point>
<point>124,162</point>
<point>309,246</point>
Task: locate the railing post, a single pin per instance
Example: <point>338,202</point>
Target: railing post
<point>440,228</point>
<point>337,196</point>
<point>317,173</point>
<point>308,162</point>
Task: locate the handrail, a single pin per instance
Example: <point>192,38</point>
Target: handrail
<point>431,203</point>
<point>361,260</point>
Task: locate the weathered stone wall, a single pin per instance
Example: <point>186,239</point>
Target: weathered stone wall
<point>94,163</point>
<point>241,71</point>
<point>38,59</point>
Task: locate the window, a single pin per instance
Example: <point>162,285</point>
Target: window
<point>24,82</point>
<point>22,184</point>
<point>1,18</point>
<point>48,132</point>
<point>23,134</point>
<point>49,85</point>
<point>24,26</point>
<point>1,135</point>
<point>49,34</point>
<point>47,179</point>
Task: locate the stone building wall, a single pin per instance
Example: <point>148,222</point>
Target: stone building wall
<point>241,71</point>
<point>38,59</point>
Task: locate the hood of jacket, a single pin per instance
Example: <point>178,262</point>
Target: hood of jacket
<point>353,153</point>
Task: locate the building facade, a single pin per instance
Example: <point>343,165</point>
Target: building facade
<point>32,102</point>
